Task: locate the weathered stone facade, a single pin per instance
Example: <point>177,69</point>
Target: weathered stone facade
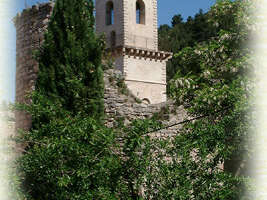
<point>128,32</point>
<point>131,34</point>
<point>137,60</point>
<point>32,23</point>
<point>124,107</point>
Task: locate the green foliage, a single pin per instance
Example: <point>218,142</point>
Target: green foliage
<point>215,80</point>
<point>70,154</point>
<point>68,151</point>
<point>122,87</point>
<point>136,166</point>
<point>197,29</point>
<point>70,69</point>
<point>68,157</point>
<point>163,114</point>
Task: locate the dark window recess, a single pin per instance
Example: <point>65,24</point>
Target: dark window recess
<point>140,12</point>
<point>109,13</point>
<point>113,39</point>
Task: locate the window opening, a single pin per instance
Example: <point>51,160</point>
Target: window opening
<point>113,39</point>
<point>140,12</point>
<point>109,13</point>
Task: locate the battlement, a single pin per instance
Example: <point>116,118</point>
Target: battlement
<point>37,12</point>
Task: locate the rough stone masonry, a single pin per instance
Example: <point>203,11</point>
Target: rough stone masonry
<point>131,34</point>
<point>30,26</point>
<point>134,48</point>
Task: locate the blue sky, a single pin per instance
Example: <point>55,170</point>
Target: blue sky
<point>166,10</point>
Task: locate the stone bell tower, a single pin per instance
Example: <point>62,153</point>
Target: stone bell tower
<point>130,27</point>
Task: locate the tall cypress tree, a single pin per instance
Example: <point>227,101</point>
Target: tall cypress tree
<point>68,150</point>
<point>70,59</point>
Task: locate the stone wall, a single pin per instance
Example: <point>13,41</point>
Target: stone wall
<point>128,32</point>
<point>141,35</point>
<point>30,26</point>
<point>146,78</point>
<point>126,107</point>
<point>134,45</point>
<point>117,26</point>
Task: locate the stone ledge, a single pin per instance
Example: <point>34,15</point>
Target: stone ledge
<point>140,52</point>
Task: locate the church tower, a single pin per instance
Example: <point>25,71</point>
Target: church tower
<point>130,27</point>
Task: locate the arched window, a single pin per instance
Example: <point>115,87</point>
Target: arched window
<point>109,13</point>
<point>146,101</point>
<point>113,39</point>
<point>140,12</point>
